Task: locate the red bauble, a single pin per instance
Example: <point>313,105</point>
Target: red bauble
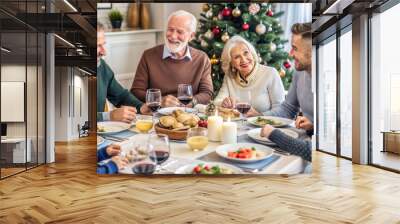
<point>287,64</point>
<point>270,13</point>
<point>216,30</point>
<point>245,26</point>
<point>226,12</point>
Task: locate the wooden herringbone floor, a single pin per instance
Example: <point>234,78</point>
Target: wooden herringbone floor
<point>69,191</point>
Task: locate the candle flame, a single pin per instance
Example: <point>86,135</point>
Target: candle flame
<point>229,119</point>
<point>216,112</point>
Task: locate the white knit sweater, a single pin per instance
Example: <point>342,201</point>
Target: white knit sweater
<point>266,89</point>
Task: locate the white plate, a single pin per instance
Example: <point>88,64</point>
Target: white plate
<point>169,110</point>
<point>100,140</point>
<point>283,122</point>
<point>255,135</point>
<point>224,149</point>
<point>187,169</point>
<point>112,127</point>
<point>202,115</point>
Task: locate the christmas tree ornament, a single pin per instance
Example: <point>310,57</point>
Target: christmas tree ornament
<point>272,47</point>
<point>216,31</point>
<point>203,43</point>
<point>209,14</point>
<point>205,7</point>
<point>270,13</point>
<point>254,8</point>
<point>287,64</point>
<point>225,37</point>
<point>282,72</point>
<point>214,60</point>
<point>260,29</point>
<point>220,16</point>
<point>211,107</point>
<point>209,35</point>
<point>245,26</point>
<point>236,12</point>
<point>226,12</point>
<point>270,29</point>
<point>215,18</point>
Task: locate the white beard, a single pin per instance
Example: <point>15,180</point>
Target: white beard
<point>173,48</point>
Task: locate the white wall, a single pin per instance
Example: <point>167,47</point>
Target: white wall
<point>159,12</point>
<point>16,73</point>
<point>70,84</point>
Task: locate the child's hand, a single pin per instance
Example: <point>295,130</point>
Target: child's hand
<point>113,150</point>
<point>120,162</point>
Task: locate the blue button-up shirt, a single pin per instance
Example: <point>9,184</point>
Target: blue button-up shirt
<point>167,54</point>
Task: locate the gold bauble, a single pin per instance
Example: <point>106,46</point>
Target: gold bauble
<point>282,72</point>
<point>214,60</point>
<point>215,18</point>
<point>205,7</point>
<point>236,12</point>
<point>225,37</point>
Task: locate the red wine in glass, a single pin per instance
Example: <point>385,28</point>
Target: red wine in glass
<point>154,106</point>
<point>144,168</point>
<point>160,156</point>
<point>185,99</point>
<point>243,108</point>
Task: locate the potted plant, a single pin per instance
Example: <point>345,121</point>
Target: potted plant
<point>115,18</point>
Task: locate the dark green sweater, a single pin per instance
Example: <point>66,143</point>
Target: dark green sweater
<point>109,88</point>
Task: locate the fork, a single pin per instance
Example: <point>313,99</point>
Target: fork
<point>251,170</point>
<point>116,139</point>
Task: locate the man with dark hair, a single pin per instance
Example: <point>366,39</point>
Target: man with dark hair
<point>109,88</point>
<point>299,98</point>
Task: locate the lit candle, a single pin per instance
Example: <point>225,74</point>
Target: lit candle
<point>214,124</point>
<point>229,132</point>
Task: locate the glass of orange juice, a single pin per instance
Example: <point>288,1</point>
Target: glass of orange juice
<point>197,138</point>
<point>144,123</point>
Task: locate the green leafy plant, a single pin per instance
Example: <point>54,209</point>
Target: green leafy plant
<point>115,15</point>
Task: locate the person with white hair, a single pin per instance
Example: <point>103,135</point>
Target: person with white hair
<point>166,66</point>
<point>244,75</point>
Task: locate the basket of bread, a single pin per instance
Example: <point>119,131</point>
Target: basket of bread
<point>177,124</point>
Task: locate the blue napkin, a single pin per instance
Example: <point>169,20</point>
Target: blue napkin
<point>104,144</point>
<point>258,165</point>
<point>124,134</point>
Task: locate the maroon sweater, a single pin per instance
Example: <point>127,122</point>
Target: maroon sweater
<point>166,74</point>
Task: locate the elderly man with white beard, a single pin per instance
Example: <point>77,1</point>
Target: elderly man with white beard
<point>166,66</point>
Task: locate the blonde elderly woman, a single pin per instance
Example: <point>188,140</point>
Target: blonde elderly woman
<point>244,74</point>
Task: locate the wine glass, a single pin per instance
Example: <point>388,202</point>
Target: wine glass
<point>153,100</point>
<point>185,94</point>
<point>197,138</point>
<point>243,106</point>
<point>144,159</point>
<point>160,146</point>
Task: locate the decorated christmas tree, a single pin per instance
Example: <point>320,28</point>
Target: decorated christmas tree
<point>257,23</point>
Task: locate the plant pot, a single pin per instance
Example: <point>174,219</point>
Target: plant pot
<point>116,24</point>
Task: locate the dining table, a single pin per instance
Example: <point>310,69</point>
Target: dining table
<point>280,162</point>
